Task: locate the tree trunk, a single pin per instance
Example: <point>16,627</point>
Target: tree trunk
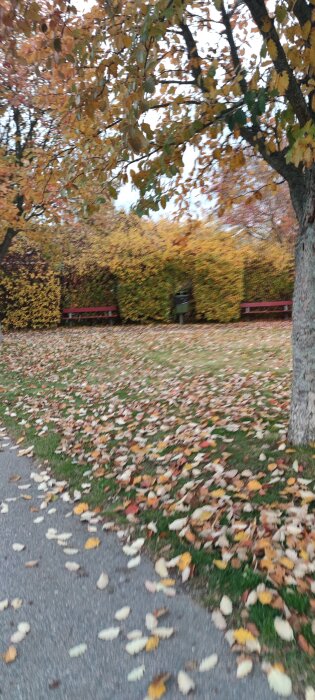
<point>5,245</point>
<point>302,418</point>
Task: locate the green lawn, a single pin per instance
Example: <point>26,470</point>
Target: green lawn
<point>163,421</point>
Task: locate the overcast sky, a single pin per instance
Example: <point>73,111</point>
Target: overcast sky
<point>128,195</point>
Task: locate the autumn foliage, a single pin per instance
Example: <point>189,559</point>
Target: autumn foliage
<point>29,290</point>
<point>139,266</point>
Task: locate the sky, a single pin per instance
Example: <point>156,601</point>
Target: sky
<point>128,195</point>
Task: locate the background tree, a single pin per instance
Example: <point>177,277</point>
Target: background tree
<point>268,213</point>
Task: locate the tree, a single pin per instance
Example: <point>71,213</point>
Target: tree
<point>36,148</point>
<point>226,78</point>
<point>268,213</point>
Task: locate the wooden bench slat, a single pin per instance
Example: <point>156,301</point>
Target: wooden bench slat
<point>78,313</point>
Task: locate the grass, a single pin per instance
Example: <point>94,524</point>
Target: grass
<point>154,398</point>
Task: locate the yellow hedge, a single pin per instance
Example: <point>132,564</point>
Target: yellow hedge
<point>147,272</point>
<point>216,266</point>
<point>29,291</point>
<point>268,272</point>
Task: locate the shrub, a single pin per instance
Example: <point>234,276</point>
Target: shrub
<point>147,272</point>
<point>268,273</point>
<point>95,287</point>
<point>217,276</point>
<point>29,290</point>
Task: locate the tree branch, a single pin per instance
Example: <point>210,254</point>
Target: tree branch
<point>6,243</point>
<point>268,31</point>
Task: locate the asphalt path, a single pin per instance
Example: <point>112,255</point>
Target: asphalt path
<point>65,609</point>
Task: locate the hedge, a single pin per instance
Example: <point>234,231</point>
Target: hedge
<point>268,273</point>
<point>29,290</point>
<point>217,277</point>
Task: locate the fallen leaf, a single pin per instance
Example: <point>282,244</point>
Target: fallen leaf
<point>265,597</point>
<point>31,564</point>
<point>136,674</point>
<point>164,632</point>
<point>254,485</point>
<point>279,682</point>
<point>185,683</point>
<point>220,564</point>
<point>78,650</point>
<point>136,645</point>
<point>17,547</point>
<point>80,508</point>
<point>305,646</point>
<point>152,643</point>
<point>123,613</point>
<point>72,566</point>
<point>109,633</point>
<point>161,568</point>
<point>208,663</point>
<point>243,636</point>
<point>150,621</point>
<point>218,620</point>
<point>184,561</point>
<point>102,581</point>
<point>226,606</point>
<point>157,687</point>
<point>244,668</point>
<point>283,629</point>
<point>178,524</point>
<point>92,543</point>
<point>132,563</point>
<point>10,655</point>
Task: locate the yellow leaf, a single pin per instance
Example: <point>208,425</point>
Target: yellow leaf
<point>272,49</point>
<point>157,688</point>
<point>282,82</point>
<point>254,485</point>
<point>218,493</point>
<point>92,543</point>
<point>80,508</point>
<point>10,655</point>
<point>287,563</point>
<point>242,635</point>
<point>220,564</point>
<point>272,466</point>
<point>265,597</point>
<point>184,561</point>
<point>168,581</point>
<point>152,643</point>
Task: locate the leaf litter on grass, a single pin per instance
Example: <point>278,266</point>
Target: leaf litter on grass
<point>182,448</point>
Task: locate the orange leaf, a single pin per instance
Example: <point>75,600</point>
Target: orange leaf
<point>157,688</point>
<point>80,508</point>
<point>10,655</point>
<point>92,543</point>
<point>152,643</point>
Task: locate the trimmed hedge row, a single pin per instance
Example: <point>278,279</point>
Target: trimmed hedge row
<point>142,273</point>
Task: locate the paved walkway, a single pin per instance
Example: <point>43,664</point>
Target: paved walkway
<point>65,608</point>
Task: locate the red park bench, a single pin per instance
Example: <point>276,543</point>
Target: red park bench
<point>266,307</point>
<point>74,313</point>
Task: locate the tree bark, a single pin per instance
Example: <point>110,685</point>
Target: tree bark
<point>302,418</point>
<point>5,245</point>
